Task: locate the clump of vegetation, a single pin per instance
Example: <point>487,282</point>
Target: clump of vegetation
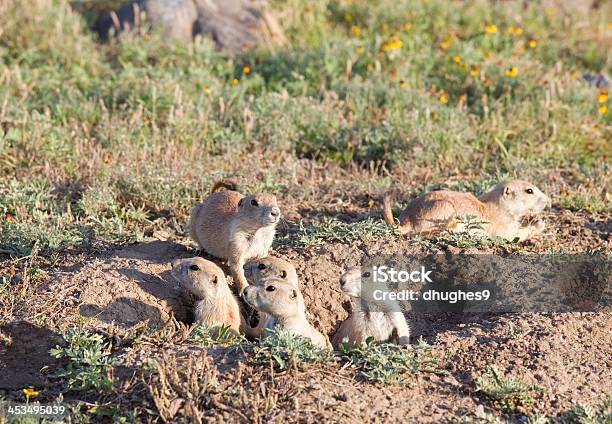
<point>333,230</point>
<point>287,350</point>
<point>588,202</point>
<point>584,414</point>
<point>386,363</point>
<point>89,362</point>
<point>508,393</point>
<point>206,335</point>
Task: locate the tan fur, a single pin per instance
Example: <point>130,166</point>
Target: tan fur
<point>228,185</point>
<point>236,228</point>
<point>284,304</point>
<point>501,210</point>
<point>217,305</point>
<point>368,320</point>
<point>260,271</point>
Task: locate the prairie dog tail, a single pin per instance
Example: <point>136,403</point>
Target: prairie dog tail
<point>387,211</point>
<point>223,184</point>
<point>388,215</point>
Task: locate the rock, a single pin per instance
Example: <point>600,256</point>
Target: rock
<point>232,24</point>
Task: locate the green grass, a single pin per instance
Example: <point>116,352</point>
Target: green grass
<point>286,350</point>
<point>333,230</point>
<point>114,141</point>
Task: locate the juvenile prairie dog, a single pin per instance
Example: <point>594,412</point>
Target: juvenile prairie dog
<point>282,303</point>
<point>500,210</point>
<point>367,319</point>
<point>261,271</point>
<point>235,227</point>
<point>217,305</point>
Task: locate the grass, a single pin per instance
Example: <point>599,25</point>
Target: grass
<point>111,142</point>
<point>333,230</point>
<point>508,393</point>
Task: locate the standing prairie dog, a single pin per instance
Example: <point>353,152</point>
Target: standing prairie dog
<point>234,227</point>
<point>369,320</point>
<point>500,210</point>
<point>283,303</point>
<point>261,271</point>
<point>216,305</point>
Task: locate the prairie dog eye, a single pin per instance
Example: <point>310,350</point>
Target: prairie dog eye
<point>270,288</point>
<point>529,191</point>
<point>283,274</point>
<point>261,266</point>
<point>254,202</point>
<point>194,267</point>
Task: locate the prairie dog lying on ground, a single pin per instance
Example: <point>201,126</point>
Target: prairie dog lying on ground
<point>284,305</point>
<point>261,271</point>
<point>234,227</point>
<point>217,305</point>
<point>367,320</point>
<point>501,210</point>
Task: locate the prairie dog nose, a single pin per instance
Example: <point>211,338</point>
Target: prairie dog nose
<point>275,211</point>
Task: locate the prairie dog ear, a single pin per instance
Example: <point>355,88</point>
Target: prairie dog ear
<point>508,192</point>
<point>240,202</point>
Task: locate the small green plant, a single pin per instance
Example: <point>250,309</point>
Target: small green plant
<point>206,335</point>
<point>510,394</point>
<point>286,350</point>
<point>583,414</point>
<point>89,359</point>
<point>386,363</point>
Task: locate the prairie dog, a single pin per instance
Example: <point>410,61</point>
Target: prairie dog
<point>258,271</point>
<point>234,227</point>
<point>283,303</point>
<point>217,305</point>
<point>368,320</point>
<point>501,210</point>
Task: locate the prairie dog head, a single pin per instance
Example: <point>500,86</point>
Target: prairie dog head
<point>201,277</point>
<point>350,281</point>
<point>277,298</point>
<point>518,198</point>
<point>259,210</point>
<point>260,271</point>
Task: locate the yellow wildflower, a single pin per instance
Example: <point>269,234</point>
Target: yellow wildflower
<point>512,72</point>
<point>234,81</point>
<point>446,42</point>
<point>348,17</point>
<point>246,69</point>
<point>360,49</point>
<point>602,96</point>
<point>532,43</point>
<point>603,109</point>
<point>474,70</point>
<point>515,30</point>
<point>30,391</point>
<point>490,28</point>
<point>206,89</point>
<point>488,55</point>
<point>355,30</point>
<point>407,25</point>
<point>402,84</point>
<point>443,98</point>
<point>457,59</point>
<point>393,44</point>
